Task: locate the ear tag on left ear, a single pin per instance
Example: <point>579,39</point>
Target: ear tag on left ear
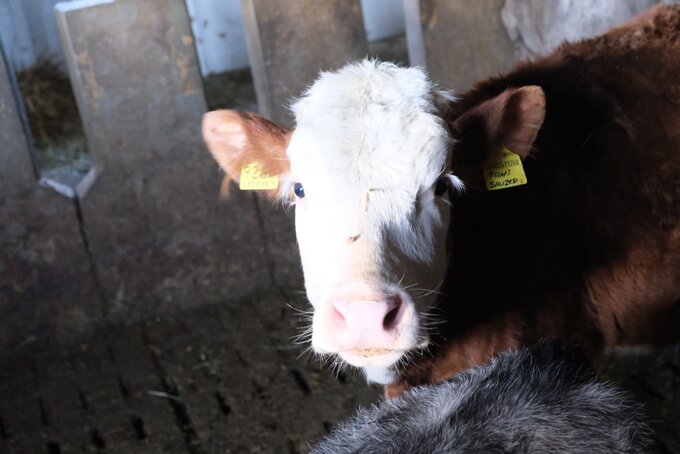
<point>254,179</point>
<point>503,170</point>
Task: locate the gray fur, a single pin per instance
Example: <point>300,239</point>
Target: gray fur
<point>546,399</point>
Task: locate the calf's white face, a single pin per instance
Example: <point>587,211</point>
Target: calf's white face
<point>368,176</point>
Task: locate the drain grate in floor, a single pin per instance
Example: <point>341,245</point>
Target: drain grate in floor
<point>224,379</point>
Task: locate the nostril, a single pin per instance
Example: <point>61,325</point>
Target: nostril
<point>357,317</point>
<point>391,317</point>
<point>338,314</point>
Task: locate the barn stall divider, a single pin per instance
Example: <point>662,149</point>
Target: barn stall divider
<point>140,313</point>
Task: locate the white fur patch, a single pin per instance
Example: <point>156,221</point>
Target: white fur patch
<point>379,375</point>
<point>368,149</point>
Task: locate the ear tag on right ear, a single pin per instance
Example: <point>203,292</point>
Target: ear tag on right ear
<point>253,178</point>
<point>503,170</point>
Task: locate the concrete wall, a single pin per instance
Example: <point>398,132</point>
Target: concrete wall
<point>29,30</point>
<point>46,284</point>
<point>220,37</point>
<point>460,42</point>
<point>536,26</point>
<point>533,26</point>
<point>382,18</point>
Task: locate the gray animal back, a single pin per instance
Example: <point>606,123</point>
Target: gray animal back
<point>546,399</point>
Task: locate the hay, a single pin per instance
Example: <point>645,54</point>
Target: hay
<point>50,104</point>
<point>54,120</point>
<point>230,90</point>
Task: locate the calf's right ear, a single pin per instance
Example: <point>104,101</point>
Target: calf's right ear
<point>512,119</point>
<point>237,139</point>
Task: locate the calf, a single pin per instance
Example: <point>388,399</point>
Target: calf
<point>544,399</point>
<point>435,232</point>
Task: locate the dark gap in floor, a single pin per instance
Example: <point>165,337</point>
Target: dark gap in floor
<point>138,427</point>
<point>182,417</point>
<point>99,287</point>
<point>186,329</point>
<point>34,368</point>
<point>97,439</point>
<point>265,240</point>
<point>125,392</point>
<point>222,403</point>
<point>4,432</point>
<point>43,413</point>
<point>260,390</point>
<point>53,448</point>
<point>84,404</point>
<point>241,359</point>
<point>271,426</point>
<point>112,355</point>
<point>301,381</point>
<point>207,367</point>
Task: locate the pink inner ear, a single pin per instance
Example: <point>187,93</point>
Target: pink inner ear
<point>523,115</point>
<point>225,127</point>
<point>225,135</point>
<point>532,105</point>
<point>238,139</point>
<point>232,134</point>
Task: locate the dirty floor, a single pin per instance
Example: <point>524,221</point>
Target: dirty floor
<point>225,379</point>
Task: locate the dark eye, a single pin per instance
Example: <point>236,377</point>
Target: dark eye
<point>299,190</point>
<point>441,186</point>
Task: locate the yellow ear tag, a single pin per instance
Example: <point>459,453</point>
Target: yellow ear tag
<point>253,179</point>
<point>503,170</point>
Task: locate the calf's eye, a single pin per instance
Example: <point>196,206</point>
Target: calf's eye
<point>299,190</point>
<point>441,186</point>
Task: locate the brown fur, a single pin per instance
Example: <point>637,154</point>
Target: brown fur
<point>589,249</point>
<point>237,139</point>
<point>511,119</point>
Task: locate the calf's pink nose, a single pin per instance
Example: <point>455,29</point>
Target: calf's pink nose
<point>363,324</point>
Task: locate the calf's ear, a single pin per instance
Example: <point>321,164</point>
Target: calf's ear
<point>511,120</point>
<point>237,139</point>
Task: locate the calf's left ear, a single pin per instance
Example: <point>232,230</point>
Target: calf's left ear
<point>511,119</point>
<point>237,139</point>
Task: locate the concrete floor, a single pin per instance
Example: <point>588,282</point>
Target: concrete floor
<point>225,379</point>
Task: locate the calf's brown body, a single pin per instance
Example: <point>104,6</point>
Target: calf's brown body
<point>589,248</point>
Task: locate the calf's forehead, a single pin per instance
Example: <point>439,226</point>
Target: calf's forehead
<point>369,126</point>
